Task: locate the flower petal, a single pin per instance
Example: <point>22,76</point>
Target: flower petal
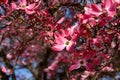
<point>14,6</point>
<point>96,8</point>
<point>93,10</point>
<point>74,66</point>
<point>60,39</point>
<point>23,2</point>
<point>31,6</point>
<point>29,11</point>
<point>58,47</point>
<point>108,4</point>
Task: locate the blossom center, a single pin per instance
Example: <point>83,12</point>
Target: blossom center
<point>23,6</point>
<point>81,62</point>
<point>67,43</point>
<point>118,7</point>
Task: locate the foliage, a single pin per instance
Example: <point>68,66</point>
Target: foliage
<point>76,38</point>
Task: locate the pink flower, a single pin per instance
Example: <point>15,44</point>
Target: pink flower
<point>108,7</point>
<point>30,9</point>
<point>3,69</point>
<point>77,64</point>
<point>85,18</point>
<point>93,9</point>
<point>61,43</point>
<point>65,40</point>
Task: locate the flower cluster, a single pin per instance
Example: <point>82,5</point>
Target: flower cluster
<point>85,43</point>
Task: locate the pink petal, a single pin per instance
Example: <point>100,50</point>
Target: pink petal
<point>107,68</point>
<point>96,8</point>
<point>117,1</point>
<point>113,44</point>
<point>60,39</point>
<point>112,10</point>
<point>14,6</point>
<point>6,1</point>
<point>31,6</point>
<point>93,10</point>
<point>89,67</point>
<point>73,67</point>
<point>63,39</point>
<point>87,7</point>
<point>3,69</point>
<point>61,20</point>
<point>108,4</point>
<point>58,47</point>
<point>23,2</point>
<point>38,5</point>
<point>29,11</point>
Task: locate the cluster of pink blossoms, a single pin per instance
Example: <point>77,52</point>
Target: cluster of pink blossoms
<point>88,53</point>
<point>30,9</point>
<point>87,45</point>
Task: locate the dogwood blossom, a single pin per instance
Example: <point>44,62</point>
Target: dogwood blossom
<point>108,7</point>
<point>29,8</point>
<point>77,64</point>
<point>61,43</point>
